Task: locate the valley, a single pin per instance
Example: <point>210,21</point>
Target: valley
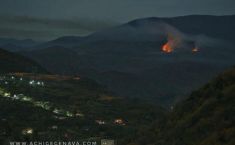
<point>70,109</point>
<point>150,81</point>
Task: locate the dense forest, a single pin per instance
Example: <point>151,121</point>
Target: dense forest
<point>206,117</point>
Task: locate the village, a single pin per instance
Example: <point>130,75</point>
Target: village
<point>8,81</point>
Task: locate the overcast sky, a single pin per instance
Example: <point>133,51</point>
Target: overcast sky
<point>47,19</point>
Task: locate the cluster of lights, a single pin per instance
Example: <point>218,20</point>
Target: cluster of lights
<point>6,80</point>
<point>79,114</point>
<point>59,113</point>
<point>44,105</point>
<point>9,78</point>
<point>38,83</point>
<point>63,112</point>
<point>118,121</point>
<point>27,131</point>
<point>100,122</point>
<point>20,97</point>
<point>7,95</point>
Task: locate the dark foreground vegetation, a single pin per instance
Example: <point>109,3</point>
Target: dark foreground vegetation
<point>49,107</point>
<point>37,106</point>
<point>206,117</point>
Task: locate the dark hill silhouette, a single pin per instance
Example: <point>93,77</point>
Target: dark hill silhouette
<point>12,62</point>
<point>134,49</point>
<point>206,117</point>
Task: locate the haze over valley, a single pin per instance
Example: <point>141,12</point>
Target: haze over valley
<point>158,59</point>
<point>117,72</point>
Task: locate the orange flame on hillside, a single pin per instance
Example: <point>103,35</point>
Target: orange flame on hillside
<point>172,43</point>
<point>167,48</point>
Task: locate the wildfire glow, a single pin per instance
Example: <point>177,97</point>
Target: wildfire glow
<point>195,50</point>
<point>172,43</point>
<point>167,48</point>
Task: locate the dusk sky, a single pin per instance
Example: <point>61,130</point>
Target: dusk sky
<point>48,19</point>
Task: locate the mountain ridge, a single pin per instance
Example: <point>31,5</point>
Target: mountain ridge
<point>138,50</point>
<point>206,117</point>
<point>12,62</point>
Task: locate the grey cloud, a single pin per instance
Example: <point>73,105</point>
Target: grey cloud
<point>45,28</point>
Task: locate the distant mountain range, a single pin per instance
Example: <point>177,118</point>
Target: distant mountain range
<point>129,58</point>
<point>146,29</point>
<point>162,60</point>
<point>17,45</point>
